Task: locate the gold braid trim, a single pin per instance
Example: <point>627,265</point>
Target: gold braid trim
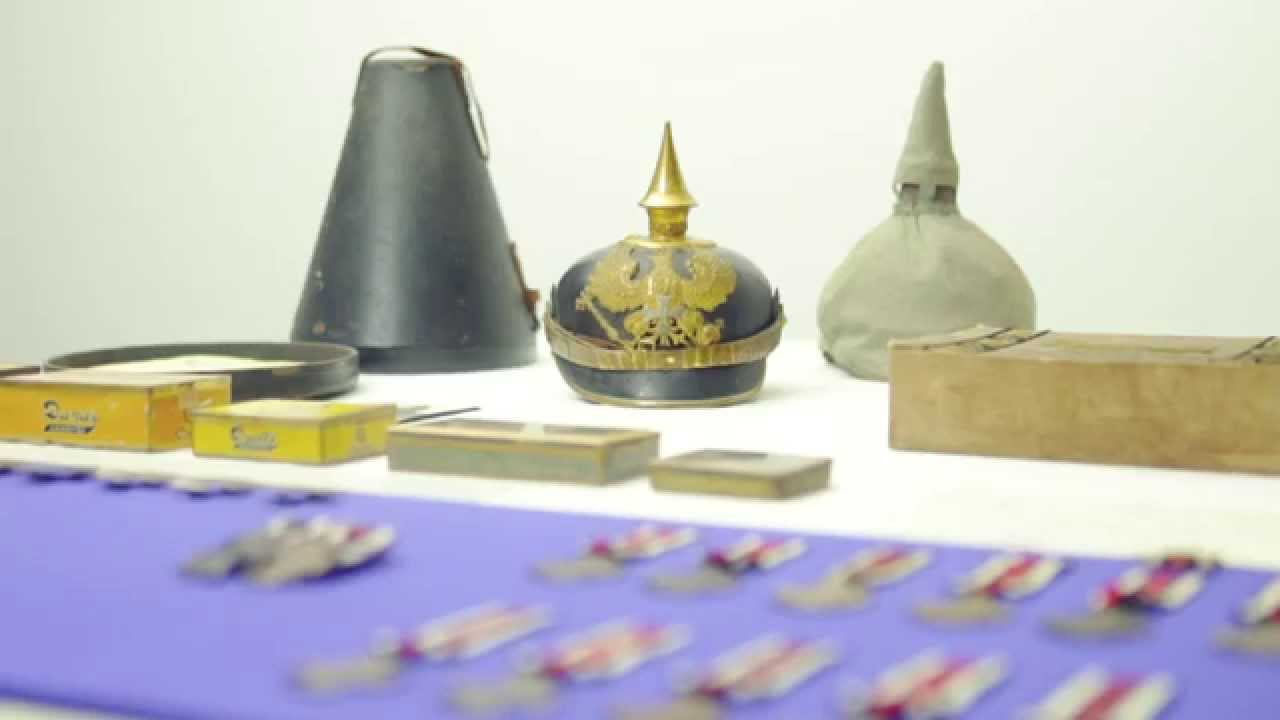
<point>584,352</point>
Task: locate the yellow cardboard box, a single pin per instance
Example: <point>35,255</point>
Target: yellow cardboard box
<point>118,411</point>
<point>298,431</point>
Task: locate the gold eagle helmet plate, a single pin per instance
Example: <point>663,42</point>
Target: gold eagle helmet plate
<point>663,307</point>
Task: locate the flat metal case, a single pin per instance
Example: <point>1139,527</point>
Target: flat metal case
<point>741,474</point>
<point>530,451</point>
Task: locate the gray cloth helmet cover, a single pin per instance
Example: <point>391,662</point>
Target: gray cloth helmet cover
<point>926,270</point>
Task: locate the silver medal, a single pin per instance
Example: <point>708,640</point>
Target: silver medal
<point>707,578</point>
<point>245,551</point>
<point>529,691</point>
<point>128,479</point>
<point>116,480</point>
<point>690,708</point>
<point>228,486</point>
<point>826,596</point>
<point>1111,622</point>
<point>192,486</point>
<point>300,496</point>
<point>586,567</point>
<point>299,561</point>
<point>357,551</point>
<point>342,676</point>
<point>963,610</point>
<point>1257,639</point>
<point>216,564</point>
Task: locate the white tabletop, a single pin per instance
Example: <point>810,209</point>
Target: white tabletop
<point>807,407</point>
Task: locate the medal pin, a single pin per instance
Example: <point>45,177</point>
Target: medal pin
<point>847,586</point>
<point>606,557</point>
<point>457,637</point>
<point>981,596</point>
<point>605,652</point>
<point>244,551</point>
<point>193,486</point>
<point>766,668</point>
<point>722,567</point>
<point>43,473</point>
<point>232,486</point>
<point>321,548</point>
<point>362,544</point>
<point>1124,605</point>
<point>1094,694</point>
<point>200,487</point>
<point>303,550</point>
<point>299,496</point>
<point>112,479</point>
<point>1259,629</point>
<point>930,685</point>
<point>288,550</point>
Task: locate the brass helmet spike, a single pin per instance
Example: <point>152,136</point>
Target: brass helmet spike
<point>667,189</point>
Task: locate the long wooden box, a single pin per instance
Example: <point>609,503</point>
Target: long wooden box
<point>1189,402</point>
<point>528,451</point>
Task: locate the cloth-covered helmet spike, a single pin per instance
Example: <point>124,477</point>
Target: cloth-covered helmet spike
<point>926,270</point>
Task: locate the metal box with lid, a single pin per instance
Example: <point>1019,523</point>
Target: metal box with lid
<point>118,411</point>
<point>530,451</point>
<point>309,432</point>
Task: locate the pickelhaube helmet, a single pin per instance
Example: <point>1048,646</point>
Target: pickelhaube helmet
<point>664,319</point>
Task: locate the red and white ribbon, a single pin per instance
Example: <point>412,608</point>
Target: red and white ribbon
<point>1168,584</point>
<point>610,650</point>
<point>928,686</point>
<point>472,632</point>
<point>1094,694</point>
<point>1011,576</point>
<point>646,541</point>
<point>755,553</point>
<point>767,667</point>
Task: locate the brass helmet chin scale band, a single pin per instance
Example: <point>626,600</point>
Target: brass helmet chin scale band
<point>592,354</point>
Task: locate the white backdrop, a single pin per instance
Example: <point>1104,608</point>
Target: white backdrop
<point>164,164</point>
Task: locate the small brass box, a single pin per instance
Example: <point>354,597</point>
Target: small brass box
<point>120,411</point>
<point>309,432</point>
<point>741,474</point>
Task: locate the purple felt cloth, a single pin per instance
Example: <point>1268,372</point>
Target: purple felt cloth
<point>93,613</point>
